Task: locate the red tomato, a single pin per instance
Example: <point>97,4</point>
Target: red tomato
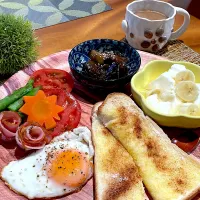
<point>60,93</point>
<point>70,117</point>
<point>53,78</point>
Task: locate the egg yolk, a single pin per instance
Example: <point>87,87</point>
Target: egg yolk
<point>70,168</point>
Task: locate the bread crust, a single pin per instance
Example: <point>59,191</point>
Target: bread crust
<point>192,194</point>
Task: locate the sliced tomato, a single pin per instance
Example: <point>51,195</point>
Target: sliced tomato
<point>53,79</point>
<point>70,117</point>
<point>60,93</point>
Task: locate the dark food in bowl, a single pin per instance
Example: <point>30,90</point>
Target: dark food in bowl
<point>105,66</point>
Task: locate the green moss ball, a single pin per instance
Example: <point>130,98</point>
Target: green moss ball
<point>18,46</point>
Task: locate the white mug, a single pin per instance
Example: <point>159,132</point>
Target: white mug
<point>152,35</point>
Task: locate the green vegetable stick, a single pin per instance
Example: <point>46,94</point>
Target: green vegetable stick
<point>22,115</point>
<point>5,102</point>
<point>19,103</point>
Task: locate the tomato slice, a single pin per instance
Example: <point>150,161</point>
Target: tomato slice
<point>53,79</point>
<point>60,93</point>
<point>70,117</point>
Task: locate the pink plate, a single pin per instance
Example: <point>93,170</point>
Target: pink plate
<point>10,151</point>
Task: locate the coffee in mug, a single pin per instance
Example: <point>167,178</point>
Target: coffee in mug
<point>150,14</point>
<point>148,24</point>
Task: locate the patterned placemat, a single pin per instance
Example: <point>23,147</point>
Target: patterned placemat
<point>176,50</point>
<point>44,13</point>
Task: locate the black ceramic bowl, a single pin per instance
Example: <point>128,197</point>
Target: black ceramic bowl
<point>79,55</point>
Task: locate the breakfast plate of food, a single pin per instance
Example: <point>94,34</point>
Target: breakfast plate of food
<point>37,107</point>
<point>61,140</point>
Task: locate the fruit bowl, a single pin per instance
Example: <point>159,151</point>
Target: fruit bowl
<point>80,55</point>
<point>149,73</point>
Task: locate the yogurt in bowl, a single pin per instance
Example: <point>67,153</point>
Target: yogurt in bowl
<point>175,92</point>
<point>160,90</point>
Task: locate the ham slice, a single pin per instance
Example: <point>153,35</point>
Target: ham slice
<point>32,136</point>
<point>9,123</point>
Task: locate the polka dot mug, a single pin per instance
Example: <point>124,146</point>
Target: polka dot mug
<point>152,35</point>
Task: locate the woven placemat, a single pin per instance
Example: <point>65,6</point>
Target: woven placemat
<point>176,50</point>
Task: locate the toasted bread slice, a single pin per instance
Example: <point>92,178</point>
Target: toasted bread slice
<point>116,175</point>
<point>167,171</point>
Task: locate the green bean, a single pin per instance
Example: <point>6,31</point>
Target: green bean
<point>19,103</point>
<point>22,115</point>
<point>5,102</point>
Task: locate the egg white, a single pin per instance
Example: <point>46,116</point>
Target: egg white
<point>29,175</point>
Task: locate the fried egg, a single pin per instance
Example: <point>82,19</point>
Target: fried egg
<point>61,167</point>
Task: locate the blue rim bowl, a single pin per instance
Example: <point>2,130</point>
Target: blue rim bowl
<point>79,55</point>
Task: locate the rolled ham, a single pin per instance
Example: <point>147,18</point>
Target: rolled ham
<point>32,136</point>
<point>9,123</point>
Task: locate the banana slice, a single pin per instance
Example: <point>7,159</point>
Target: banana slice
<point>193,110</point>
<point>175,68</point>
<point>188,109</point>
<point>187,91</point>
<point>185,75</point>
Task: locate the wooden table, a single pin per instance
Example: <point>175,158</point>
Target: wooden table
<point>104,25</point>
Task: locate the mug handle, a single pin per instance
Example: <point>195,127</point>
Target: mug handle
<point>185,24</point>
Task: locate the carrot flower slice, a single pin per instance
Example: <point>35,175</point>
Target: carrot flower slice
<point>42,109</point>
